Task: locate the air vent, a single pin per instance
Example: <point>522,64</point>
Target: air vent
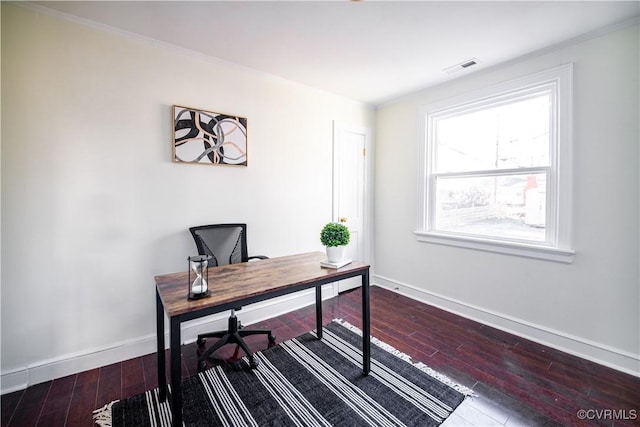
<point>462,66</point>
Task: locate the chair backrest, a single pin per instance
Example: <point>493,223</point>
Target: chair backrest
<point>225,243</point>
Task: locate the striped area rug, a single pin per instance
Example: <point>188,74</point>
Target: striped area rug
<point>304,382</point>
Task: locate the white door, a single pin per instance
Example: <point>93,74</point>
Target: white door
<point>350,144</point>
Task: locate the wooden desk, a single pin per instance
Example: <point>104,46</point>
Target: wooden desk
<point>239,285</point>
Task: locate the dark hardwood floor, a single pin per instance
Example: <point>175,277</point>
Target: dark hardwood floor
<point>517,382</point>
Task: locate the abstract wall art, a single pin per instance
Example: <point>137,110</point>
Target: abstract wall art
<point>208,138</point>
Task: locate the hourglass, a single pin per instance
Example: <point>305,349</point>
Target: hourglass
<point>199,287</point>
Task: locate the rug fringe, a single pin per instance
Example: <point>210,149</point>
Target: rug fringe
<point>424,368</point>
<point>102,416</point>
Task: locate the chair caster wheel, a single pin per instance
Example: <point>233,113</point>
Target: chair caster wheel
<point>201,342</point>
<point>272,339</point>
<point>253,362</point>
<point>202,366</point>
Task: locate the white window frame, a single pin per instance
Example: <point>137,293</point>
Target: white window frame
<point>559,174</point>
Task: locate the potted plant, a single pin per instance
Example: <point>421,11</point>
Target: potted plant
<point>335,237</point>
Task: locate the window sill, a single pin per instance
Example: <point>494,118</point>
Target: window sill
<point>508,248</point>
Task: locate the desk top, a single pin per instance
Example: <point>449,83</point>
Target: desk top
<point>241,283</point>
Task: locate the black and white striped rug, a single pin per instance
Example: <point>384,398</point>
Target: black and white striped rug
<point>304,382</point>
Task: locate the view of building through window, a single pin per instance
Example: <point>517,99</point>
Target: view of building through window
<point>490,168</point>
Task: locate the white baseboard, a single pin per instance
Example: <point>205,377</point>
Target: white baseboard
<point>45,370</point>
<point>614,358</point>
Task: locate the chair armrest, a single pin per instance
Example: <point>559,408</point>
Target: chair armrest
<point>257,257</point>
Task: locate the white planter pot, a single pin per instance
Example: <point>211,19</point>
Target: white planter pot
<point>335,253</point>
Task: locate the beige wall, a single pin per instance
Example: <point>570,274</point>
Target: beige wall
<point>93,207</point>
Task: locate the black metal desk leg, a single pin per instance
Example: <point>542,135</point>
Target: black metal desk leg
<point>366,325</point>
<point>162,375</point>
<point>176,373</point>
<point>319,311</point>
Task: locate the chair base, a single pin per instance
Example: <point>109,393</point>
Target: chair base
<point>234,335</point>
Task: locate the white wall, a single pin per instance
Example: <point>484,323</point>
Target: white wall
<point>92,205</point>
<point>589,307</point>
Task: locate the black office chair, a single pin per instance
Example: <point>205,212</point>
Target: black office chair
<point>226,244</point>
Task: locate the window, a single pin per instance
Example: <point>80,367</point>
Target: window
<point>496,168</point>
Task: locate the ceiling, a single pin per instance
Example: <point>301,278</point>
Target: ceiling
<point>372,51</point>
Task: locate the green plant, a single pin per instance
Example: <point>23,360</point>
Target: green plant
<point>334,234</point>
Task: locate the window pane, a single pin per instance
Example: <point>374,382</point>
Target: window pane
<point>507,136</point>
<point>506,206</point>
